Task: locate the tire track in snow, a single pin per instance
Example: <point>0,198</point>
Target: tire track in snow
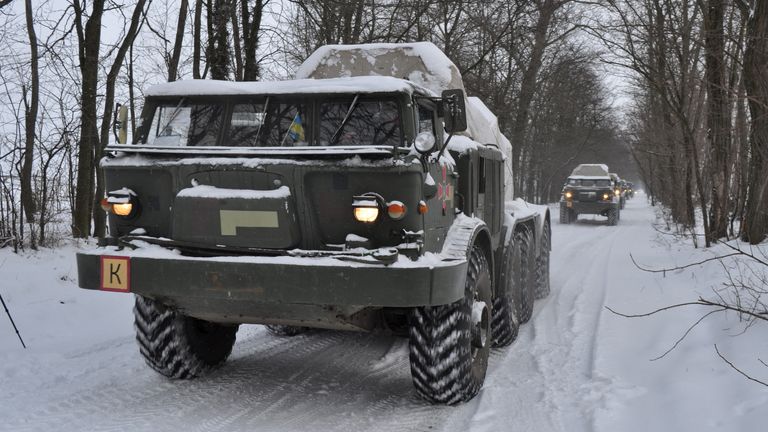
<point>317,381</point>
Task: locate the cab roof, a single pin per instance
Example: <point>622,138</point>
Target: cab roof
<point>346,85</point>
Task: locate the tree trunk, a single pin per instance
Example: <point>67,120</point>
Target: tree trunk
<point>251,33</point>
<point>89,43</point>
<point>196,35</point>
<point>218,38</point>
<point>718,118</point>
<point>30,121</point>
<point>528,88</point>
<point>173,67</point>
<point>756,83</point>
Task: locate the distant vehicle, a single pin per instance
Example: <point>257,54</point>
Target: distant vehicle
<point>590,189</point>
<point>348,200</point>
<point>629,190</point>
<point>618,189</point>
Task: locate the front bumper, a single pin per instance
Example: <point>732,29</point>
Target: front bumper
<point>223,285</point>
<point>590,207</point>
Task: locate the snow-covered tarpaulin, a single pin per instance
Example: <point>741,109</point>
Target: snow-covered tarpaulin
<point>422,63</point>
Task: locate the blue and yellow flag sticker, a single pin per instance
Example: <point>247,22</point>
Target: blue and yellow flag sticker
<point>296,131</point>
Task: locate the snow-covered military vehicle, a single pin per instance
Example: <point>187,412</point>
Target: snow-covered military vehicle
<point>349,198</point>
<point>618,189</point>
<point>590,189</point>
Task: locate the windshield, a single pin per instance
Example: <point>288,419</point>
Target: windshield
<point>184,124</point>
<point>368,123</point>
<point>276,121</point>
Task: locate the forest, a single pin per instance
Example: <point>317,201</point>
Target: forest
<point>672,95</point>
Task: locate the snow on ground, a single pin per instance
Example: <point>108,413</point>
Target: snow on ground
<point>575,366</point>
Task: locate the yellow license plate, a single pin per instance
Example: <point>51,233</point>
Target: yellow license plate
<point>568,204</point>
<point>115,273</point>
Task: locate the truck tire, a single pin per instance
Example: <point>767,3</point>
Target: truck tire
<point>285,330</point>
<point>449,344</point>
<point>505,323</point>
<point>613,216</point>
<point>526,275</point>
<point>565,215</point>
<point>542,264</point>
<point>179,346</point>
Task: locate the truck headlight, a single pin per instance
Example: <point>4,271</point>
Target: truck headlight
<point>366,207</point>
<point>366,214</point>
<point>568,194</point>
<point>123,203</point>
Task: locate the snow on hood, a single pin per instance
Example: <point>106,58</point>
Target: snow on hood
<point>205,191</point>
<point>364,84</point>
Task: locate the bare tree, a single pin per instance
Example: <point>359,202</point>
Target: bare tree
<point>30,118</point>
<point>756,84</point>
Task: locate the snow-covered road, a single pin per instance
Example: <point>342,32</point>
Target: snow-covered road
<point>575,366</point>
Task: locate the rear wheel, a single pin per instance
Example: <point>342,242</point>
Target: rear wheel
<point>505,323</point>
<point>526,275</point>
<point>542,264</point>
<point>449,344</point>
<point>179,346</point>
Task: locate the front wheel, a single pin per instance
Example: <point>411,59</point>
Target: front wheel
<point>179,346</point>
<point>449,344</point>
<point>613,216</point>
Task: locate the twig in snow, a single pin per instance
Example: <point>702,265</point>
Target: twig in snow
<point>739,370</point>
<point>690,329</point>
<point>665,270</point>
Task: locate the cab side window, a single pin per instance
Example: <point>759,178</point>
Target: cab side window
<point>426,119</point>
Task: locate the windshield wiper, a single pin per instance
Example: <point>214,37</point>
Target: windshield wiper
<point>335,136</point>
<point>172,118</point>
<point>263,120</point>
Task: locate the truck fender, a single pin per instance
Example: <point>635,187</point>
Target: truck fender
<point>464,233</point>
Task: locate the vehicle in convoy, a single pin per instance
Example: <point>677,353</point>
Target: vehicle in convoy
<point>590,189</point>
<point>341,200</point>
<point>630,190</point>
<point>618,189</point>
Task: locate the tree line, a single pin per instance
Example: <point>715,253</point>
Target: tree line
<point>698,126</point>
<point>538,65</point>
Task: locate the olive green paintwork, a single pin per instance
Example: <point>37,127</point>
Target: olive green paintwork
<point>316,215</point>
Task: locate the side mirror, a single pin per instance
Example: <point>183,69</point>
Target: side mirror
<point>120,126</point>
<point>454,110</point>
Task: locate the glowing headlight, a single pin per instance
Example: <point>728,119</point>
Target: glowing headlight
<point>123,203</point>
<point>606,196</point>
<point>366,214</point>
<point>617,192</point>
<point>569,195</point>
<point>124,209</point>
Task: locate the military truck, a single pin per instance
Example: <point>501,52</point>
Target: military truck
<point>590,189</point>
<point>619,189</point>
<point>630,189</point>
<point>349,198</point>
